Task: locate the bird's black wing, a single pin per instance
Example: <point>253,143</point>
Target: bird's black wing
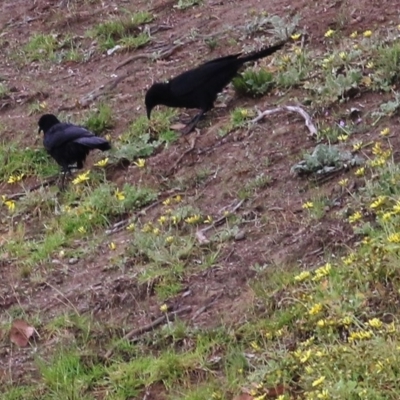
<point>62,133</point>
<point>195,78</point>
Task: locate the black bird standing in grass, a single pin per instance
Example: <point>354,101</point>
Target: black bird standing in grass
<point>199,87</point>
<point>68,144</point>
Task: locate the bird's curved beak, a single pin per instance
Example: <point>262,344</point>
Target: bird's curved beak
<point>40,130</point>
<point>148,109</point>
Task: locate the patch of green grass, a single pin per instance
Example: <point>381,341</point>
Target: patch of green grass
<point>42,47</point>
<point>254,83</point>
<point>185,4</point>
<point>134,42</point>
<point>99,120</point>
<point>4,90</point>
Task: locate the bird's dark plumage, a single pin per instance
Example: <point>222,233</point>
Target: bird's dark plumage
<point>199,87</point>
<point>68,144</point>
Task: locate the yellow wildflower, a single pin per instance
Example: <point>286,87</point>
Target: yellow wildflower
<point>396,207</point>
<point>349,259</point>
<point>387,216</point>
<point>102,163</point>
<point>81,178</point>
<point>162,220</point>
<point>169,239</point>
<point>164,308</point>
<point>343,182</point>
<point>193,219</point>
<point>119,195</point>
<point>254,345</point>
<point>302,276</point>
<point>323,271</point>
<point>357,146</point>
<point>375,323</point>
<point>329,33</point>
<point>347,320</point>
<point>140,163</point>
<point>379,367</point>
<point>355,217</point>
<point>385,132</point>
<point>367,33</point>
<point>305,356</point>
<point>178,198</point>
<point>315,309</point>
<point>308,205</point>
<point>370,65</point>
<point>318,381</point>
<point>377,149</point>
<point>130,227</point>
<point>208,220</point>
<point>353,34</point>
<point>343,138</point>
<point>323,395</point>
<point>378,202</point>
<point>81,229</point>
<point>112,246</point>
<point>321,323</point>
<point>343,55</point>
<point>394,238</point>
<point>10,204</point>
<point>147,228</point>
<point>15,178</point>
<point>378,162</point>
<point>366,81</point>
<point>156,231</point>
<point>360,171</point>
<point>167,202</point>
<point>296,36</point>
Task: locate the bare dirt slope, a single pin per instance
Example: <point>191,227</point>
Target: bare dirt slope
<point>274,229</point>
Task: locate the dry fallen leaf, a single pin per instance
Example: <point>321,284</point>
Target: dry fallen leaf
<point>177,127</point>
<point>21,332</point>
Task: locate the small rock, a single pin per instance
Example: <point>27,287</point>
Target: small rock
<point>73,261</point>
<point>241,235</point>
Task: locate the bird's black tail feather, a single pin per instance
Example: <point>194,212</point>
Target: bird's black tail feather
<point>262,53</point>
<point>94,142</point>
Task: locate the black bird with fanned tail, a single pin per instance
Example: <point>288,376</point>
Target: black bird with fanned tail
<point>199,87</point>
<point>68,144</point>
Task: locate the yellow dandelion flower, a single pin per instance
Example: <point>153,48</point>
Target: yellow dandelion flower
<point>318,381</point>
<point>357,146</point>
<point>366,81</point>
<point>297,51</point>
<point>164,308</point>
<point>343,138</point>
<point>102,163</point>
<point>296,36</point>
<point>167,202</point>
<point>355,46</point>
<point>147,228</point>
<point>193,219</point>
<point>360,172</point>
<point>377,149</point>
<point>387,216</point>
<point>169,239</point>
<point>81,229</point>
<point>349,259</point>
<point>208,220</point>
<point>343,182</point>
<point>378,202</point>
<point>162,220</point>
<point>15,178</point>
<point>370,65</point>
<point>379,367</point>
<point>305,356</point>
<point>43,105</point>
<point>354,34</point>
<point>174,220</point>
<point>112,246</point>
<point>394,238</point>
<point>156,231</point>
<point>309,369</point>
<point>322,272</point>
<point>329,33</point>
<point>178,198</point>
<point>119,195</point>
<point>315,309</point>
<point>347,320</point>
<point>323,395</point>
<point>375,323</point>
<point>321,323</point>
<point>391,328</point>
<point>307,205</point>
<point>285,58</point>
<point>10,204</point>
<point>385,132</point>
<point>140,163</point>
<point>226,213</point>
<point>254,345</point>
<point>355,217</point>
<point>367,33</point>
<point>396,207</point>
<point>244,112</point>
<point>378,162</point>
<point>81,178</point>
<point>107,137</point>
<point>130,227</point>
<point>302,276</point>
<point>343,55</point>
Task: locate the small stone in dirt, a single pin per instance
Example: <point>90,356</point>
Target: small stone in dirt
<point>241,235</point>
<point>73,261</point>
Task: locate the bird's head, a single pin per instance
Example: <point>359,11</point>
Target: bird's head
<point>154,96</point>
<point>46,121</point>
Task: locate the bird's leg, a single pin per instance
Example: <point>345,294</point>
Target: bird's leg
<point>192,123</point>
<point>65,171</point>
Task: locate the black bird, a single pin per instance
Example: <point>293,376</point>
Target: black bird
<point>199,87</point>
<point>68,144</point>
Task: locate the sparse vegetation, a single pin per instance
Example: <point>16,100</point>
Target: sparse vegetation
<point>235,274</point>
